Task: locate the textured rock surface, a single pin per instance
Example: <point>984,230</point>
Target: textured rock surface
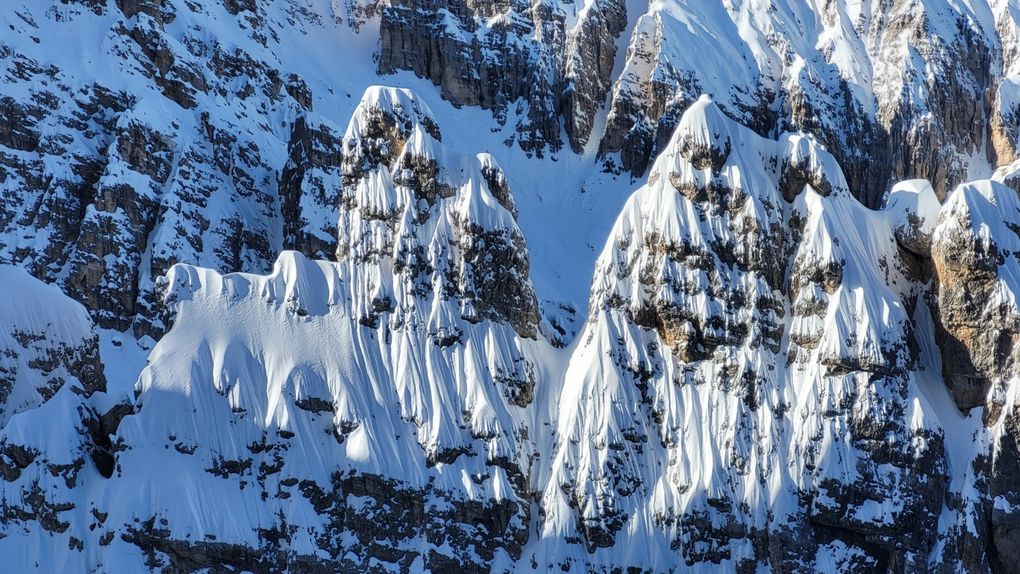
<point>977,307</point>
<point>974,249</point>
<point>894,89</point>
<point>728,298</point>
<point>165,146</point>
<point>192,133</point>
<point>543,64</point>
<point>771,377</point>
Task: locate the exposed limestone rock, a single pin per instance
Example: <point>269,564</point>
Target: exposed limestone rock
<point>400,182</point>
<point>883,118</point>
<point>432,263</point>
<point>531,62</point>
<point>754,387</point>
<point>914,211</point>
<point>980,323</point>
<point>310,187</point>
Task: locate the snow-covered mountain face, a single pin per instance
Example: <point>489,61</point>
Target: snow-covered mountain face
<point>262,313</point>
<point>894,89</point>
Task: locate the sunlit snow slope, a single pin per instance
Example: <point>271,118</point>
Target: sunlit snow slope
<point>265,313</point>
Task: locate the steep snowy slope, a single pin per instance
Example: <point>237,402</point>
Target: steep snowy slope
<point>141,134</point>
<point>134,135</point>
<point>347,415</point>
<point>359,346</point>
<point>746,378</point>
<point>46,341</point>
<point>893,89</point>
<point>55,421</point>
<point>758,384</point>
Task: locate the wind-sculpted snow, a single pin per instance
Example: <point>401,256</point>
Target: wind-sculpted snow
<point>893,89</point>
<point>746,377</point>
<point>759,384</point>
<point>363,414</point>
<point>422,220</point>
<point>272,428</point>
<point>321,345</point>
<point>139,134</point>
<point>273,396</point>
<point>380,398</point>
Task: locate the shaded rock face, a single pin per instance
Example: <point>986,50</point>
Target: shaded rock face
<point>1001,517</point>
<point>887,116</point>
<point>725,298</point>
<point>537,64</point>
<point>980,322</point>
<point>310,187</point>
<point>189,146</point>
<point>974,249</point>
<point>754,387</point>
<point>108,179</point>
<point>380,529</point>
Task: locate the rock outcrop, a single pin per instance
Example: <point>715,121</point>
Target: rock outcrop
<point>545,66</point>
<point>897,90</point>
<point>974,249</point>
<point>390,432</point>
<point>894,91</point>
<point>747,379</point>
<point>169,148</point>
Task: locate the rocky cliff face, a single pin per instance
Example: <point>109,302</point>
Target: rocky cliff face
<point>546,66</point>
<point>916,89</point>
<point>894,90</point>
<point>419,363</point>
<point>48,343</point>
<point>181,140</point>
<point>342,360</point>
<point>739,290</point>
<point>166,145</point>
<point>974,252</point>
